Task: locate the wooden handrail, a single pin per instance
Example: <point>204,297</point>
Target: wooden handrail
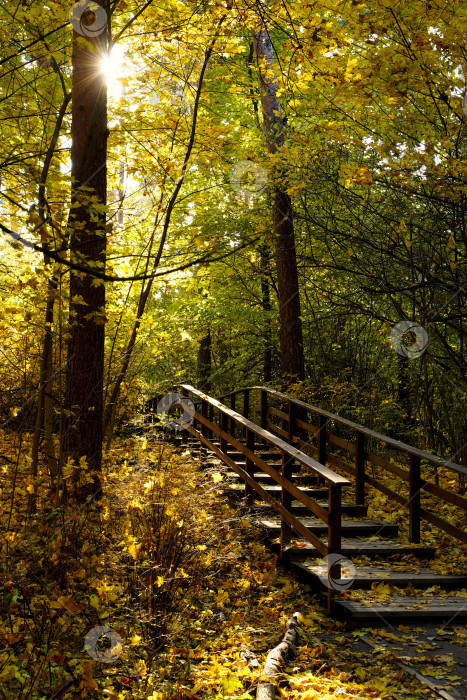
<point>417,484</point>
<point>409,449</point>
<point>322,471</point>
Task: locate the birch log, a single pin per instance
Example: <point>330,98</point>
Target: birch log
<point>277,659</point>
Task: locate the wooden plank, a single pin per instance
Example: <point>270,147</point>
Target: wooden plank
<point>387,491</point>
<point>402,607</point>
<point>355,547</point>
<point>313,429</point>
<point>444,525</point>
<point>366,576</point>
<point>355,527</point>
<point>340,442</point>
<point>360,463</point>
<point>306,445</point>
<point>276,429</point>
<point>448,496</point>
<point>276,412</point>
<point>341,464</point>
<point>432,459</point>
<point>414,498</point>
<point>394,469</point>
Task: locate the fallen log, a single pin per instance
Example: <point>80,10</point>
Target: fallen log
<point>277,659</point>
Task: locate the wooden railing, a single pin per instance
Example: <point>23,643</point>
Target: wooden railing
<point>309,427</point>
<point>214,421</point>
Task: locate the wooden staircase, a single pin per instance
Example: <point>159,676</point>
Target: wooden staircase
<point>363,568</point>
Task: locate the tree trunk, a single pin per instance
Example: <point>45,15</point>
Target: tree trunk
<point>266,304</point>
<point>291,340</point>
<point>85,362</point>
<point>204,367</point>
<point>277,659</point>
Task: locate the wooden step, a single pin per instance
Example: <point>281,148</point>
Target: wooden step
<point>349,509</point>
<point>400,607</point>
<point>297,479</point>
<point>273,457</point>
<point>275,490</point>
<point>362,528</point>
<point>366,576</point>
<point>356,547</point>
<point>297,508</point>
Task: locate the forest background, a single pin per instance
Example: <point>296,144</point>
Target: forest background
<point>231,193</point>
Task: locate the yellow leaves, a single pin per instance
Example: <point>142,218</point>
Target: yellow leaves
<point>217,477</point>
<point>135,640</point>
<point>87,677</point>
<point>134,549</point>
<point>355,175</point>
<point>145,444</point>
<point>94,601</point>
<point>78,300</point>
<point>222,598</point>
<point>382,590</point>
<point>451,244</point>
<point>141,668</point>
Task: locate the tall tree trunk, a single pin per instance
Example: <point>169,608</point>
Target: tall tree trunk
<point>204,367</point>
<point>266,304</point>
<point>291,339</point>
<point>85,362</point>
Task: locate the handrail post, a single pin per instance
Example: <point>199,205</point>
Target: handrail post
<point>321,436</point>
<point>246,407</point>
<point>322,425</point>
<point>184,433</point>
<point>224,425</point>
<point>414,495</point>
<point>286,501</point>
<point>264,408</point>
<point>334,537</point>
<point>291,432</point>
<point>211,420</point>
<point>250,466</point>
<point>359,468</point>
<point>204,429</point>
<point>232,420</point>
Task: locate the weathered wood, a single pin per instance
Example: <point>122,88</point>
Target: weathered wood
<point>444,525</point>
<point>232,420</point>
<point>357,528</point>
<point>414,499</point>
<point>250,466</point>
<point>340,442</point>
<point>264,408</point>
<point>277,659</point>
<point>402,607</point>
<point>286,500</point>
<point>359,467</point>
<point>322,447</point>
<point>387,466</point>
<point>366,576</point>
<point>370,548</point>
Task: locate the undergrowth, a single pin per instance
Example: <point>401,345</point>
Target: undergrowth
<point>162,590</point>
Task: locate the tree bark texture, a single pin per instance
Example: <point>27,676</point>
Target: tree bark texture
<point>291,337</point>
<point>277,659</point>
<point>204,364</point>
<point>85,362</point>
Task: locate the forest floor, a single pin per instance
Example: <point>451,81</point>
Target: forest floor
<point>164,590</point>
